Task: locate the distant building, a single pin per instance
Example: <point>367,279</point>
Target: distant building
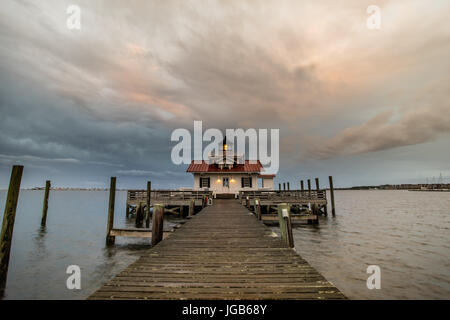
<point>229,173</point>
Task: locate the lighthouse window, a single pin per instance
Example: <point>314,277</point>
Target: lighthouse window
<point>204,182</point>
<point>246,182</point>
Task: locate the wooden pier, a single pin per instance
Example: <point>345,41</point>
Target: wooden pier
<point>174,201</point>
<point>223,252</point>
<point>305,205</point>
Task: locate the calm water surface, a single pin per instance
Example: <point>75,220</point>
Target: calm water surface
<point>405,233</point>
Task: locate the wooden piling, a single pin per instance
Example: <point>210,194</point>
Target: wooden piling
<point>9,217</point>
<point>203,201</point>
<point>284,186</point>
<point>285,225</point>
<point>315,211</point>
<point>333,211</point>
<point>302,187</point>
<point>309,188</point>
<point>157,223</point>
<point>317,184</point>
<point>45,205</point>
<point>112,198</point>
<point>288,186</point>
<point>191,207</point>
<point>139,215</point>
<point>147,217</point>
<point>258,208</point>
<point>279,187</point>
<point>290,236</point>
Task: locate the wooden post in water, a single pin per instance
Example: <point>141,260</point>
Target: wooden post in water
<point>258,208</point>
<point>285,225</point>
<point>284,186</point>
<point>149,191</point>
<point>279,187</point>
<point>290,236</point>
<point>112,199</point>
<point>191,207</point>
<point>333,211</point>
<point>9,217</point>
<point>309,188</point>
<point>45,205</point>
<point>288,186</point>
<point>203,201</point>
<point>157,223</point>
<point>139,215</point>
<point>127,211</point>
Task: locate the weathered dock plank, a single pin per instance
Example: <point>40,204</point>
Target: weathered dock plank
<point>223,252</point>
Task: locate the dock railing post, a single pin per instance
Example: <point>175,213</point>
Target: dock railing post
<point>157,223</point>
<point>258,208</point>
<point>147,213</point>
<point>45,205</point>
<point>309,189</point>
<point>9,217</point>
<point>333,211</point>
<point>284,219</point>
<point>191,207</point>
<point>290,236</point>
<point>112,198</point>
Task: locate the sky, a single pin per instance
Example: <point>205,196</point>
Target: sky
<point>367,106</point>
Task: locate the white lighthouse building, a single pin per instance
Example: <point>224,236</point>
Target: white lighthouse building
<point>229,173</point>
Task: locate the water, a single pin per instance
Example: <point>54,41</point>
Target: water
<point>405,233</point>
<point>74,235</point>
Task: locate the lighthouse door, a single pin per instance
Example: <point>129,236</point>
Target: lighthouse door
<point>226,184</point>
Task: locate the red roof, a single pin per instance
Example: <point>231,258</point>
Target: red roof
<point>206,167</point>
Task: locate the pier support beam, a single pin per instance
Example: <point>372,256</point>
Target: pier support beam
<point>333,211</point>
<point>9,217</point>
<point>147,212</point>
<point>112,199</point>
<point>315,210</point>
<point>45,205</point>
<point>157,223</point>
<point>139,215</point>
